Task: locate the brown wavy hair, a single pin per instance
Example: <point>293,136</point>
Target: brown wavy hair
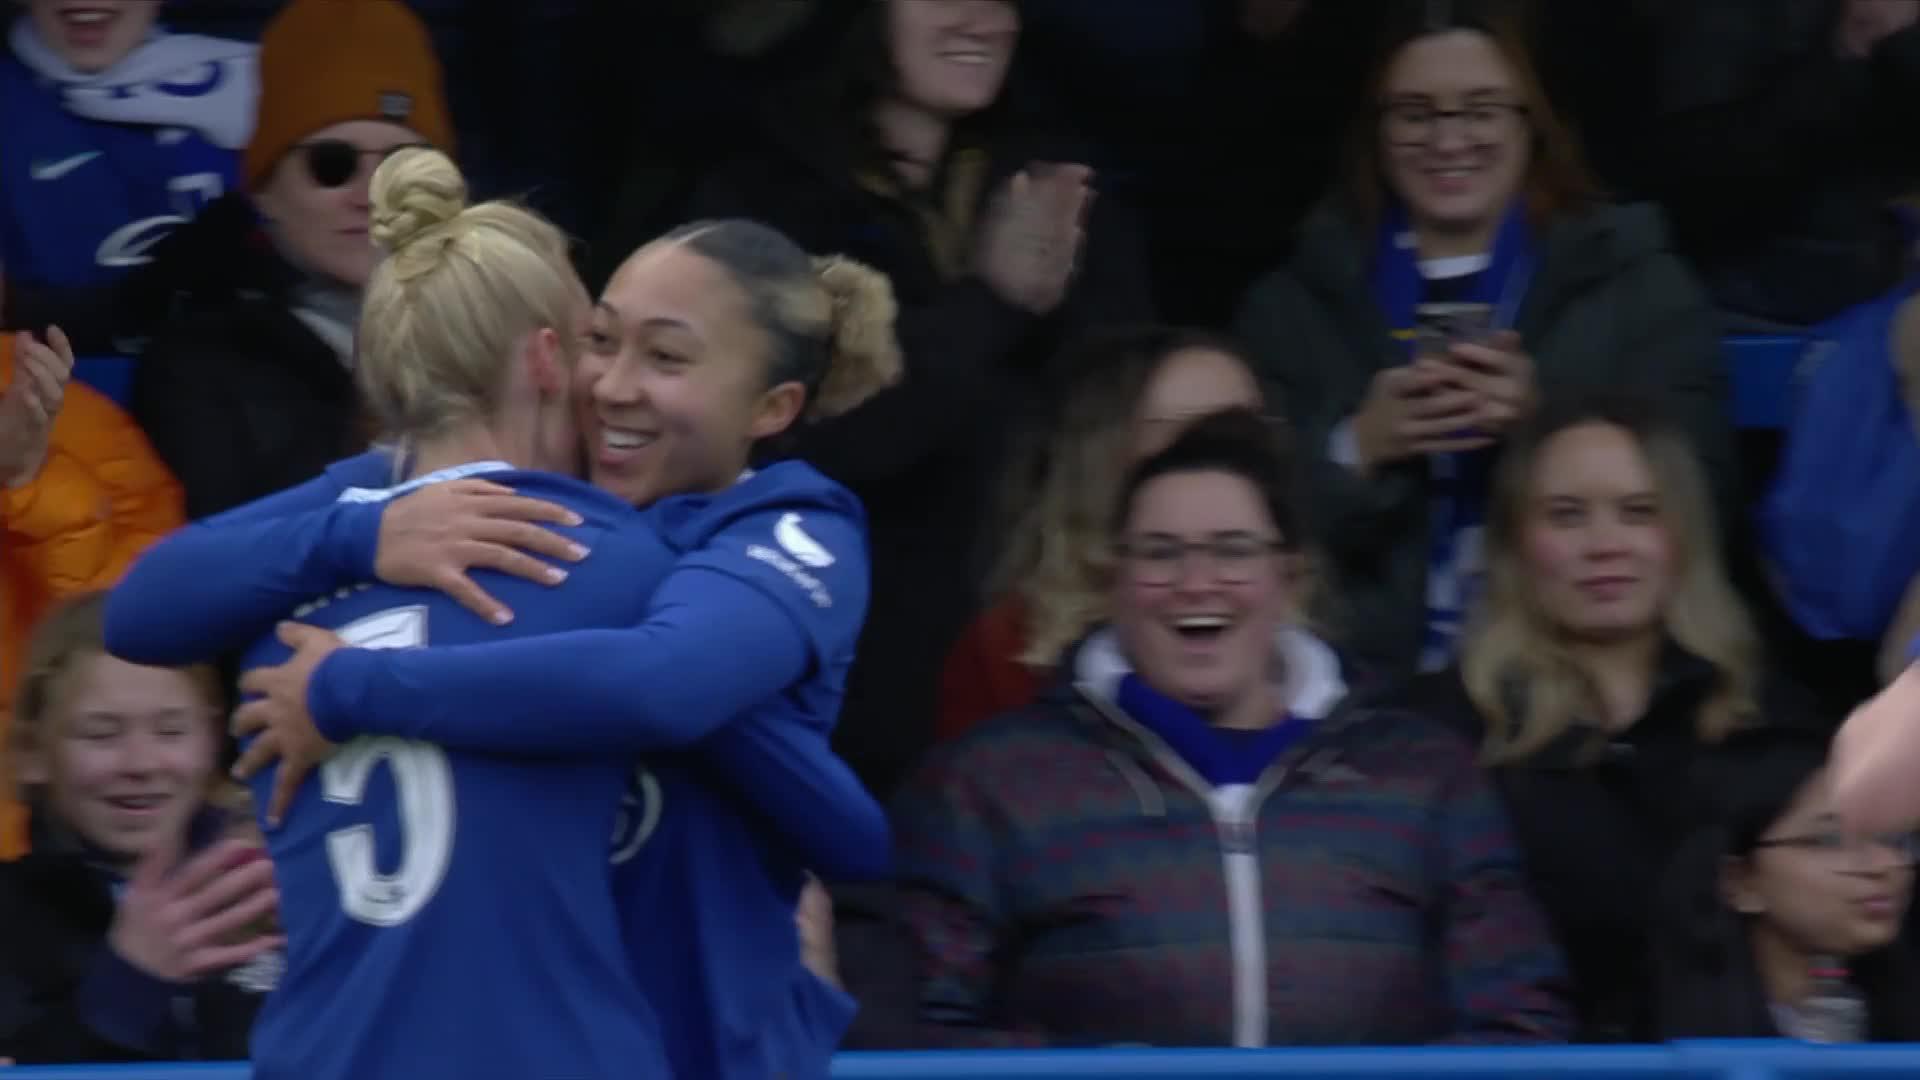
<point>1060,493</point>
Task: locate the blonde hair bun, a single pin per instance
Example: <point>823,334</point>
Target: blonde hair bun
<point>864,347</point>
<point>414,192</point>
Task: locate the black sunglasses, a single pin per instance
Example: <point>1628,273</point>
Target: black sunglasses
<point>333,162</point>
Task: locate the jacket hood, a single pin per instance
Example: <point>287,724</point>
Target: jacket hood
<point>1311,685</point>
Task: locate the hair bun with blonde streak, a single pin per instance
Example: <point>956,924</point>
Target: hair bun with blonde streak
<point>414,192</point>
<point>864,351</point>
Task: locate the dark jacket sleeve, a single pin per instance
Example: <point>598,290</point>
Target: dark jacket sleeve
<point>41,1025</point>
<point>1358,516</point>
<point>1672,332</point>
<point>1505,978</point>
<point>184,400</point>
<point>948,836</point>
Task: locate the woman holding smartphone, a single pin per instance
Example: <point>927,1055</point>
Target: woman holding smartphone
<point>1497,276</point>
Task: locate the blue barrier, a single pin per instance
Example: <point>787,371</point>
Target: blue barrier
<point>1763,371</point>
<point>1678,1061</point>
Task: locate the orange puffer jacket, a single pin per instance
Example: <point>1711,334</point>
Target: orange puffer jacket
<point>100,498</point>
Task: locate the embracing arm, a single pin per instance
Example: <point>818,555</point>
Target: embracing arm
<point>219,584</point>
<point>672,680</point>
<point>789,773</point>
<point>712,648</point>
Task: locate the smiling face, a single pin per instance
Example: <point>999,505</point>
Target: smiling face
<point>1202,590</point>
<point>93,35</point>
<point>1455,141</point>
<point>125,753</point>
<point>1817,890</point>
<point>672,390</point>
<point>1600,556</point>
<point>323,225</point>
<point>951,56</point>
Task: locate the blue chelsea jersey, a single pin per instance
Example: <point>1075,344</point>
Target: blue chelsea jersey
<point>448,914</point>
<point>734,1001</point>
<point>82,200</point>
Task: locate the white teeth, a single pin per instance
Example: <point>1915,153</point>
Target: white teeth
<point>87,18</point>
<point>616,439</point>
<point>1202,622</point>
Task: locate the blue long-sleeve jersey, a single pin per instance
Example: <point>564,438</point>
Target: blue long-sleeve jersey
<point>447,912</point>
<point>734,678</point>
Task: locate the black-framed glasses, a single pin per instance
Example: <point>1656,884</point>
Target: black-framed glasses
<point>1230,559</point>
<point>331,163</point>
<point>1835,844</point>
<point>1414,123</point>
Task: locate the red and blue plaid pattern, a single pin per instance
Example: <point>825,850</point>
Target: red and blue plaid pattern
<point>1065,886</point>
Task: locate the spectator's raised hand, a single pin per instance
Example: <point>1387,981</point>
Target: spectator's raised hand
<point>431,538</point>
<point>278,719</point>
<point>1030,243</point>
<point>1412,410</point>
<point>27,410</point>
<point>181,921</point>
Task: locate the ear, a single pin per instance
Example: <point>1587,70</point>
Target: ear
<point>778,409</point>
<point>545,361</point>
<point>1737,888</point>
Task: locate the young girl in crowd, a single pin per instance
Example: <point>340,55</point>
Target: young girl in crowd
<point>707,341</point>
<point>134,930</point>
<point>1777,918</point>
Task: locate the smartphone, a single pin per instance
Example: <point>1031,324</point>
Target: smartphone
<point>1439,327</point>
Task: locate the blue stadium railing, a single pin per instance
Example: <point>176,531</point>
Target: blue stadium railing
<point>1678,1061</point>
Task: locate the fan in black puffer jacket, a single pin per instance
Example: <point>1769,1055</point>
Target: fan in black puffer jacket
<point>66,996</point>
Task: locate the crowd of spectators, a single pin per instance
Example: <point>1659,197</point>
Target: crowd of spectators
<point>1316,590</point>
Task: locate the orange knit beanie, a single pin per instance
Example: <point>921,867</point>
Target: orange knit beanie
<point>324,62</point>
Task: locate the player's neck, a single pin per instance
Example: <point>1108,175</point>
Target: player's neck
<point>459,447</point>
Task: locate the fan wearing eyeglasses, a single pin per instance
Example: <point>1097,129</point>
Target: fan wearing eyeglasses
<point>1194,839</point>
<point>1773,903</point>
<point>1465,270</point>
<point>247,387</point>
<point>1124,393</point>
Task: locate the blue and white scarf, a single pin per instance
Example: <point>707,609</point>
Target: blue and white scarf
<point>1455,568</point>
<point>205,84</point>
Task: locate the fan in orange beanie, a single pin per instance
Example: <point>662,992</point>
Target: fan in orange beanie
<point>343,83</point>
<point>325,62</point>
<point>248,388</point>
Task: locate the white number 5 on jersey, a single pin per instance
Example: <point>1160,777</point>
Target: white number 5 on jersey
<point>423,782</point>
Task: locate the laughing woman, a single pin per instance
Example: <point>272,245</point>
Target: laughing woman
<point>1193,842</point>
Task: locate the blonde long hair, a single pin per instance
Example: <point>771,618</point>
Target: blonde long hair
<point>460,287</point>
<point>1509,644</point>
